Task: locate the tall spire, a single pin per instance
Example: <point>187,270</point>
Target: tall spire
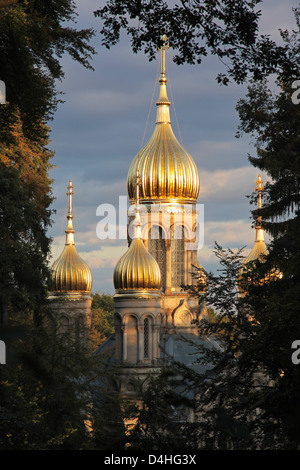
<point>70,273</point>
<point>163,103</point>
<point>70,230</point>
<point>168,172</point>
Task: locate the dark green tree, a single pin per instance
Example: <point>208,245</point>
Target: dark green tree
<point>227,29</point>
<point>33,37</point>
<point>58,399</point>
<point>251,400</point>
<point>24,246</point>
<point>272,118</point>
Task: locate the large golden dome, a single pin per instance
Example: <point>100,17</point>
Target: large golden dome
<point>168,172</point>
<point>70,273</point>
<point>137,272</point>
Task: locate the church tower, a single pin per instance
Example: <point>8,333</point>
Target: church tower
<point>169,188</point>
<point>70,284</point>
<point>151,308</point>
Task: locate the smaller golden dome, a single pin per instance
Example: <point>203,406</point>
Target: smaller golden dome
<point>137,272</point>
<point>259,250</point>
<point>70,273</point>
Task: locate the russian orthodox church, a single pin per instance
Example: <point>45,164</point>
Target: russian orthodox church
<point>154,315</point>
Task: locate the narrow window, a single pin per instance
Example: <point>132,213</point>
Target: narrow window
<point>157,249</point>
<point>146,338</point>
<point>178,257</point>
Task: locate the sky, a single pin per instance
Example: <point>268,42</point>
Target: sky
<point>110,112</point>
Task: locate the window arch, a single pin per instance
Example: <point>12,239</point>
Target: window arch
<point>146,338</point>
<point>132,339</point>
<point>157,248</point>
<point>177,257</point>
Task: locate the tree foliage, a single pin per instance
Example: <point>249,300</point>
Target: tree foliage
<point>24,246</point>
<point>102,318</point>
<point>227,29</point>
<point>52,391</point>
<point>272,118</point>
<point>33,37</point>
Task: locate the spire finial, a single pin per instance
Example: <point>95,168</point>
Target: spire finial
<point>163,103</point>
<point>137,221</point>
<point>163,48</point>
<point>70,230</point>
<point>70,194</point>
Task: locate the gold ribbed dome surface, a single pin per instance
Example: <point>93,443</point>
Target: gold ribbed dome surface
<point>259,250</point>
<point>137,270</point>
<point>167,170</point>
<point>70,273</point>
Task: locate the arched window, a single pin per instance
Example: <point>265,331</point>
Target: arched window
<point>132,340</point>
<point>177,257</point>
<point>146,338</point>
<point>156,246</point>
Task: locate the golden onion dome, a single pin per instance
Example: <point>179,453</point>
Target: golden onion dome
<point>137,272</point>
<point>70,273</point>
<point>167,170</point>
<point>259,250</point>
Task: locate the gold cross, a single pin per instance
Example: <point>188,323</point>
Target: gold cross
<point>259,188</point>
<point>70,194</point>
<point>163,48</point>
